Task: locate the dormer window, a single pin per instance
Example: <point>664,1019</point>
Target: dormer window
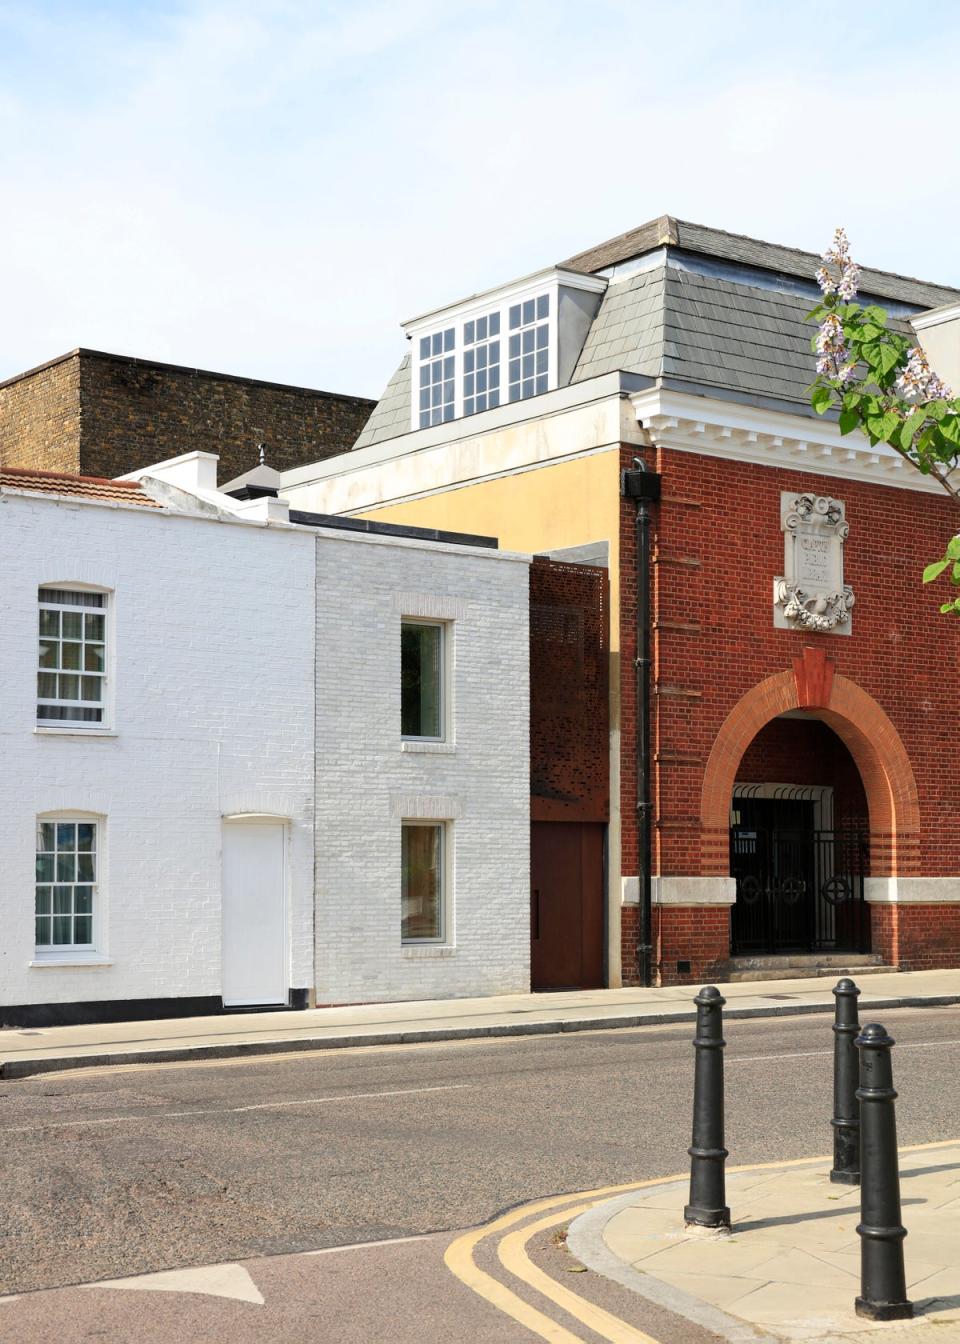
<point>500,347</point>
<point>529,347</point>
<point>437,377</point>
<point>481,363</point>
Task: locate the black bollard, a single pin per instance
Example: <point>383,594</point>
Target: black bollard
<point>883,1286</point>
<point>707,1207</point>
<point>846,1069</point>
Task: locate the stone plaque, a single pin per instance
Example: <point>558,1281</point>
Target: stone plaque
<point>812,595</point>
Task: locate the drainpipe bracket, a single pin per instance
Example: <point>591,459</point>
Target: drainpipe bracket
<point>640,485</point>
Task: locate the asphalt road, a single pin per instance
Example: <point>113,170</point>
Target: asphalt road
<point>117,1172</point>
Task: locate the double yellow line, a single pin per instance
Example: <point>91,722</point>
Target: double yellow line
<point>512,1253</point>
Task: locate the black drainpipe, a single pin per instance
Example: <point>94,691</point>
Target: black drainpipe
<point>643,486</point>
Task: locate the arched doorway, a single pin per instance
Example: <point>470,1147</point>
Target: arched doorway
<point>798,843</point>
<point>811,694</point>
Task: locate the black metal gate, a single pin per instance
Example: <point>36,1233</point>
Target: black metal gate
<point>799,891</point>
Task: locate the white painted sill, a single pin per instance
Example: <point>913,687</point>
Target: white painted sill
<point>428,748</point>
<point>71,959</point>
<point>426,951</point>
<point>75,732</point>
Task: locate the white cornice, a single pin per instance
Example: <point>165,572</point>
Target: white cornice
<point>553,276</point>
<point>743,433</point>
<point>934,316</point>
<point>541,410</point>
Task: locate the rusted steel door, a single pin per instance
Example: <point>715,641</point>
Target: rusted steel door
<point>566,905</point>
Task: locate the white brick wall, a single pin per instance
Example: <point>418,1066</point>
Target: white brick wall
<point>214,705</point>
<point>366,782</point>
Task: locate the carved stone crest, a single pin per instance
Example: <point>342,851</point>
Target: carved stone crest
<point>812,595</point>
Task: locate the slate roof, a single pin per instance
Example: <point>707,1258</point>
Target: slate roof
<point>694,329</point>
<point>736,247</point>
<point>716,312</point>
<point>83,487</point>
<point>391,415</point>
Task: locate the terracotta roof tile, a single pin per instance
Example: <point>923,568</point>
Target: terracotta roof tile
<point>84,487</point>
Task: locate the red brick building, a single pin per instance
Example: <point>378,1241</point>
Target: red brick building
<point>799,765</point>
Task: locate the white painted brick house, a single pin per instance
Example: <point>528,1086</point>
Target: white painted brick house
<point>206,794</point>
<point>472,786</point>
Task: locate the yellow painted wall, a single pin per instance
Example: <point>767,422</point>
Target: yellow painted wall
<point>567,504</point>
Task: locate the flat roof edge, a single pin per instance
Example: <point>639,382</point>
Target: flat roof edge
<point>373,528</point>
<point>85,352</point>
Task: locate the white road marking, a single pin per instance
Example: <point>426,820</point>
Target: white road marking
<point>226,1280</point>
<point>811,1054</point>
<point>231,1110</point>
<point>365,1245</point>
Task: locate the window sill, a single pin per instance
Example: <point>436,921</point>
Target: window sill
<point>428,748</point>
<point>71,959</point>
<point>426,951</point>
<point>74,732</point>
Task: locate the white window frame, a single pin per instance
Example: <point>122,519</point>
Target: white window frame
<point>60,952</point>
<point>443,692</point>
<point>446,922</point>
<point>549,281</point>
<point>105,704</point>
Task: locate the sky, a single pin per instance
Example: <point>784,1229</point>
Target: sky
<point>270,189</point>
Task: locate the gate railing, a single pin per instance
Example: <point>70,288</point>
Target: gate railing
<point>800,891</point>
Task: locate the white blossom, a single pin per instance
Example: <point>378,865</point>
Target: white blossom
<point>834,357</point>
<point>918,383</point>
<point>840,274</point>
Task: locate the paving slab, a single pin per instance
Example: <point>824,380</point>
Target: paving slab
<point>790,1267</point>
<point>26,1051</point>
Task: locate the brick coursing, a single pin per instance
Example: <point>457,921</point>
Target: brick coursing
<point>717,548</point>
<point>479,783</point>
<point>40,419</point>
<point>106,415</point>
<point>698,934</point>
<point>916,937</point>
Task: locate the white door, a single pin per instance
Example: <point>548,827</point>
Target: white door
<point>254,913</point>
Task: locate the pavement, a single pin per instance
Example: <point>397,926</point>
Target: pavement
<point>27,1051</point>
<point>790,1267</point>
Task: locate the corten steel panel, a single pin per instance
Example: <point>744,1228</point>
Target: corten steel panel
<point>569,670</point>
<point>566,911</point>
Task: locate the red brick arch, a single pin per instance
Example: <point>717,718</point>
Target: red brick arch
<point>869,736</point>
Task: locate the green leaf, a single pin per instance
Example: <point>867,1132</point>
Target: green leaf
<point>910,427</point>
<point>889,358</point>
<point>950,429</point>
<point>870,332</point>
<point>849,421</point>
<point>955,574</point>
<point>953,548</point>
<point>815,314</point>
<point>873,313</point>
<point>871,354</point>
<point>934,571</point>
<point>883,426</point>
<point>822,399</point>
